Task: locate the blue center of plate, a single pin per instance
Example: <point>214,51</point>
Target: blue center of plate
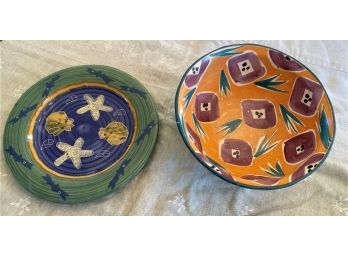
<point>69,141</point>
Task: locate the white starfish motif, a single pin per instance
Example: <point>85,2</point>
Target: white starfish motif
<point>72,152</point>
<point>94,106</point>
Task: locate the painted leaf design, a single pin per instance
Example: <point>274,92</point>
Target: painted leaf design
<point>325,137</point>
<point>188,96</point>
<point>198,125</point>
<point>181,122</point>
<point>275,172</point>
<point>224,86</point>
<point>230,126</point>
<point>264,145</point>
<point>225,52</point>
<point>289,119</point>
<point>279,168</point>
<point>270,84</point>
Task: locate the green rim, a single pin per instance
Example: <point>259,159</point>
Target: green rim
<point>66,190</point>
<point>183,135</point>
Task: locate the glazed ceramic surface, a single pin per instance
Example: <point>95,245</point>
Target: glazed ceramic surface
<point>255,116</point>
<point>80,133</point>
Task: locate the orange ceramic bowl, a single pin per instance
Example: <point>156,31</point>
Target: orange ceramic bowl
<point>255,116</point>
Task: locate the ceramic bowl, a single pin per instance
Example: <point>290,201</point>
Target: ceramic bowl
<point>255,116</point>
<point>80,133</point>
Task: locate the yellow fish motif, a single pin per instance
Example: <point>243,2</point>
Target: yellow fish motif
<point>115,133</point>
<point>58,122</point>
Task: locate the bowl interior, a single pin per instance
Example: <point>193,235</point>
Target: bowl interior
<point>255,116</point>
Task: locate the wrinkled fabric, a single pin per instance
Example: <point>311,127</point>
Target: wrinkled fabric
<point>174,182</point>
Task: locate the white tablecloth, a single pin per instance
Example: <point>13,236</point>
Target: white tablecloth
<point>174,182</point>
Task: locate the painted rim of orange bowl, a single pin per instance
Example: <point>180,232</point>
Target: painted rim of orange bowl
<point>261,187</point>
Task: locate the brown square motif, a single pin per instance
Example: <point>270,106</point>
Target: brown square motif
<point>237,152</point>
<point>305,96</point>
<point>245,68</point>
<point>259,113</point>
<point>207,107</point>
<point>299,147</point>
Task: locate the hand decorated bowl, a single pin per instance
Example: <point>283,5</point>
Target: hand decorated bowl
<point>80,133</point>
<point>255,116</point>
